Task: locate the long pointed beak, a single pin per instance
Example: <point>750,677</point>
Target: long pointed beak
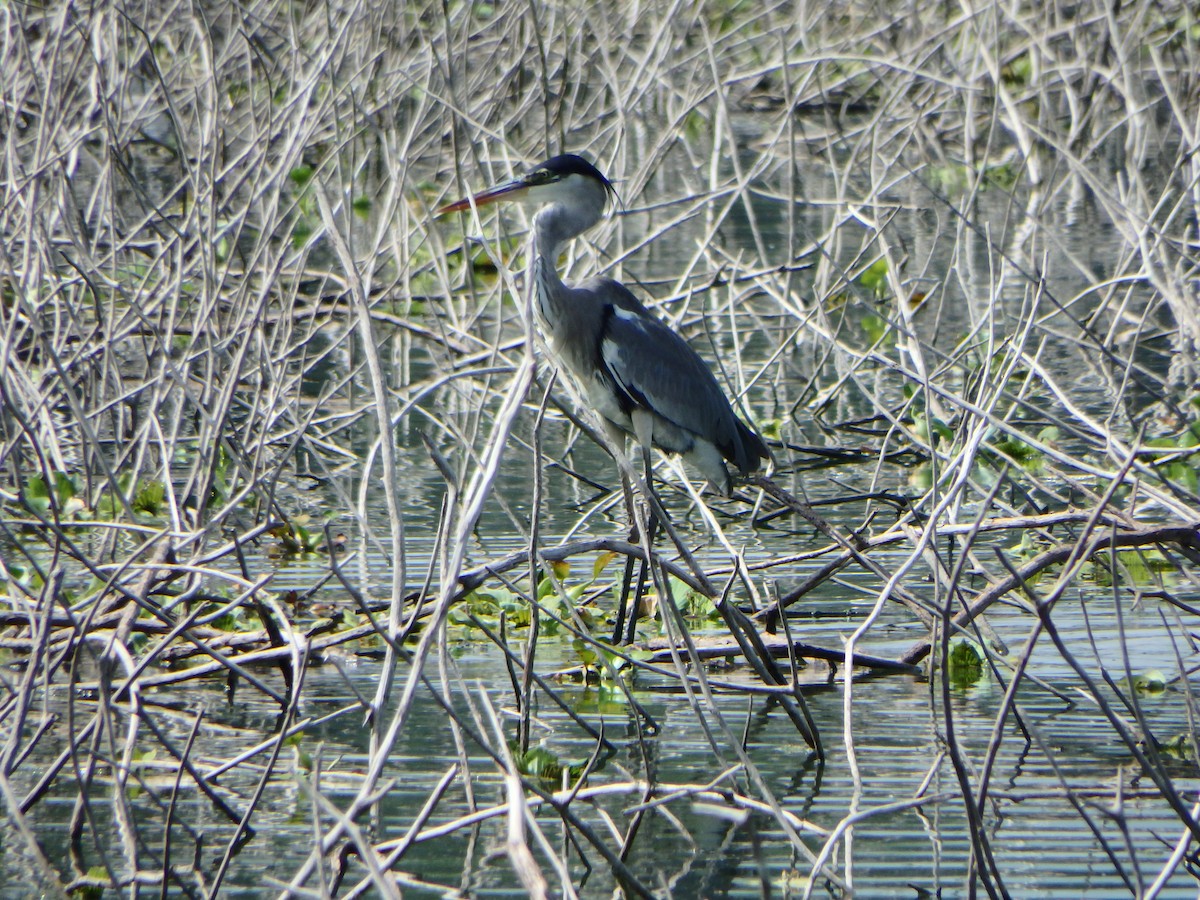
<point>509,190</point>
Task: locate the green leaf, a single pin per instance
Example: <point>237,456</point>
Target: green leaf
<point>874,277</point>
<point>948,178</point>
<point>921,478</point>
<point>585,652</point>
<point>1152,681</point>
<point>150,498</point>
<point>965,663</point>
<point>696,125</point>
<point>92,885</point>
<point>928,427</point>
<point>64,487</point>
<point>36,495</point>
<point>301,175</point>
<point>1019,71</point>
<point>1183,474</point>
<point>540,763</point>
<point>301,232</point>
<point>876,329</point>
<point>1178,748</point>
<point>601,563</point>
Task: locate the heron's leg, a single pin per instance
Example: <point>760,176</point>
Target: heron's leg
<point>626,580</point>
<point>643,424</point>
<point>642,579</point>
<point>625,628</point>
<point>617,438</point>
<point>630,510</point>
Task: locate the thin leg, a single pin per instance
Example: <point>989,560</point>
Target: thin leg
<point>627,612</point>
<point>619,629</point>
<point>626,629</point>
<point>642,580</point>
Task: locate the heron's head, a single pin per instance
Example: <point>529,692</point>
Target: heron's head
<point>567,181</point>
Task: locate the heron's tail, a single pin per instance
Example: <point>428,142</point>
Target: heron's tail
<point>749,449</point>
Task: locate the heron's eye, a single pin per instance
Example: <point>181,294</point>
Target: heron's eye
<point>540,176</point>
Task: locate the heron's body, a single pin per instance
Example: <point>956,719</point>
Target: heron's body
<point>639,376</point>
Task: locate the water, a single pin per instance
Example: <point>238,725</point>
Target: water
<point>1046,845</point>
<point>1047,850</point>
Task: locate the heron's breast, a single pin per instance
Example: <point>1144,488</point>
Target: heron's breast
<point>603,400</point>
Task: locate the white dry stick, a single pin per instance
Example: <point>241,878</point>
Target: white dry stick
<point>662,792</point>
<point>516,844</point>
<point>962,466</point>
<point>474,496</point>
<point>1173,861</point>
<point>360,291</point>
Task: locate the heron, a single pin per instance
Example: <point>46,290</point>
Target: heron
<point>641,377</point>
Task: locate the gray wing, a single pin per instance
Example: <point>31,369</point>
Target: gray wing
<point>654,368</point>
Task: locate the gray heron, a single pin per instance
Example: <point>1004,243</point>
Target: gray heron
<point>640,376</point>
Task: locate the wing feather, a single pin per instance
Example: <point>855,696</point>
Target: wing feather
<point>654,368</point>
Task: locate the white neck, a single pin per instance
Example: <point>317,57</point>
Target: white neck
<point>570,208</point>
<point>542,275</point>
